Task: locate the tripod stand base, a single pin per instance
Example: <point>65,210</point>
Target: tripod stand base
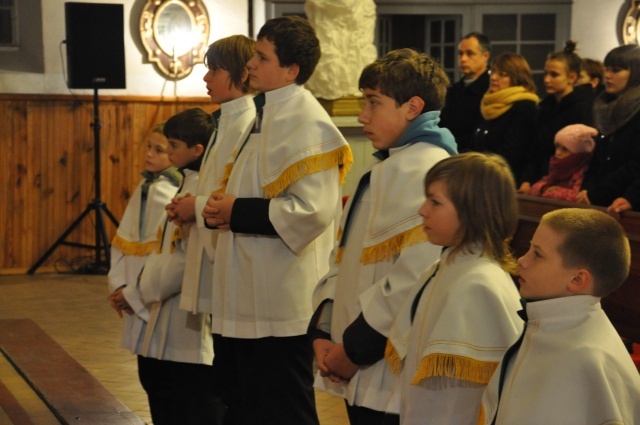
<point>99,266</point>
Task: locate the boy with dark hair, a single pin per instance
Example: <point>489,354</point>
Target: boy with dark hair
<point>383,249</point>
<point>281,205</point>
<point>175,348</point>
<point>569,366</point>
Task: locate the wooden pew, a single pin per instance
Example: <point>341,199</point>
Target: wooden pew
<point>68,389</point>
<point>623,306</point>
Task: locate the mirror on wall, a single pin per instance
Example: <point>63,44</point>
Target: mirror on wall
<point>175,35</point>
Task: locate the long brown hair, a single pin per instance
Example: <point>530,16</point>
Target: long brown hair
<point>482,189</point>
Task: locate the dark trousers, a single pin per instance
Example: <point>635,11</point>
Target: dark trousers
<point>265,381</point>
<point>180,393</point>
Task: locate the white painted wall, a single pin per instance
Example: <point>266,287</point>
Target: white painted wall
<point>593,26</point>
<point>227,17</point>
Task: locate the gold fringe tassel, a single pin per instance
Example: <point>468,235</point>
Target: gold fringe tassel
<point>341,157</point>
<point>392,358</point>
<point>392,246</point>
<point>139,249</point>
<point>481,416</point>
<point>458,367</point>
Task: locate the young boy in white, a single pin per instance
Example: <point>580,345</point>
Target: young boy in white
<point>227,85</point>
<point>137,235</point>
<point>381,237</point>
<point>176,355</point>
<point>459,320</point>
<point>570,366</point>
<point>282,203</point>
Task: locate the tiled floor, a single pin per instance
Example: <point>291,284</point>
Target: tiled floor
<point>73,310</point>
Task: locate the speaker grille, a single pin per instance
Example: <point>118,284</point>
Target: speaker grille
<point>95,45</point>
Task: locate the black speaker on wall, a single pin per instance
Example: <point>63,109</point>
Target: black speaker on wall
<point>95,45</point>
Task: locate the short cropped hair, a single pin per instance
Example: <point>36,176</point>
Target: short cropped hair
<point>404,73</point>
<point>626,57</point>
<point>569,56</point>
<point>295,42</point>
<point>192,126</point>
<point>483,192</point>
<point>517,68</point>
<point>483,40</point>
<point>595,241</point>
<point>231,54</point>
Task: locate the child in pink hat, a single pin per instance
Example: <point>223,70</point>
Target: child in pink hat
<point>574,148</point>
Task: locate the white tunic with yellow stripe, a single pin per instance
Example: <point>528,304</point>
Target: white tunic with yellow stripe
<point>465,320</point>
<point>262,284</point>
<point>385,253</point>
<point>171,333</point>
<point>130,249</point>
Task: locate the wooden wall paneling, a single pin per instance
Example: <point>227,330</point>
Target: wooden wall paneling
<point>23,167</point>
<point>47,168</point>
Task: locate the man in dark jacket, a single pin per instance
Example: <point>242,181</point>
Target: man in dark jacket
<point>461,110</point>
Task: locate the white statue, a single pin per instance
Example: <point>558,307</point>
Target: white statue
<point>345,29</point>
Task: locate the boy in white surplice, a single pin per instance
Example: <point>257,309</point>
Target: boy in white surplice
<point>281,203</point>
<point>381,237</point>
<point>569,366</point>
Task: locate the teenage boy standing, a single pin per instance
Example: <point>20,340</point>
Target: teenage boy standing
<point>282,204</point>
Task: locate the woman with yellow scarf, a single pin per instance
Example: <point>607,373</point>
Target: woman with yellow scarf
<point>509,113</point>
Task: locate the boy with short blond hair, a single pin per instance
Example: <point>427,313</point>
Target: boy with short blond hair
<point>570,365</point>
<point>382,249</point>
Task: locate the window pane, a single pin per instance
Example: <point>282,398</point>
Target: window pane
<point>434,52</point>
<point>538,27</point>
<point>500,27</point>
<point>436,31</point>
<point>449,57</point>
<point>6,27</point>
<point>450,31</point>
<point>497,49</point>
<point>408,31</point>
<point>536,54</point>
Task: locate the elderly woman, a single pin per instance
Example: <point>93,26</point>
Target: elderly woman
<point>613,178</point>
<point>509,113</point>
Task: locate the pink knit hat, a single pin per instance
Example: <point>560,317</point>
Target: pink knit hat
<point>577,138</point>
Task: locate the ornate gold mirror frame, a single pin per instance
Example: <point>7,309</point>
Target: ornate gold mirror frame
<point>175,35</point>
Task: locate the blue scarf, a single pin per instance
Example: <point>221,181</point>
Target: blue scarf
<point>425,129</point>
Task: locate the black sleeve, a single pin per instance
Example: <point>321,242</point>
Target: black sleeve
<point>363,344</point>
<point>251,215</point>
<point>312,331</point>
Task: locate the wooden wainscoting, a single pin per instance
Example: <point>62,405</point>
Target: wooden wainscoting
<point>47,168</point>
